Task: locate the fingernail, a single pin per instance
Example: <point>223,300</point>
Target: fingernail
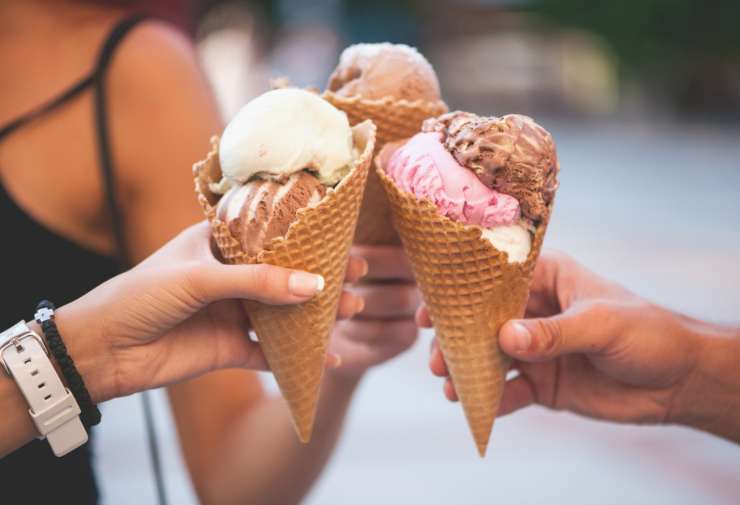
<point>365,268</point>
<point>335,361</point>
<point>305,284</point>
<point>522,337</point>
<point>360,305</point>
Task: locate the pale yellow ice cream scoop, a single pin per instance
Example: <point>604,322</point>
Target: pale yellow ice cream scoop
<point>282,132</point>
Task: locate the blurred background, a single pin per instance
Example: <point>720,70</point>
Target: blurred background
<point>643,99</point>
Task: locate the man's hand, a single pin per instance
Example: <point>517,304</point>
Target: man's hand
<point>384,326</point>
<point>594,348</point>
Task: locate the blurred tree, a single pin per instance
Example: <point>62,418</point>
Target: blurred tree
<point>690,48</point>
<point>644,30</point>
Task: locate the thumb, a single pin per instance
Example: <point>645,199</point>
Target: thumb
<point>263,283</point>
<point>542,339</point>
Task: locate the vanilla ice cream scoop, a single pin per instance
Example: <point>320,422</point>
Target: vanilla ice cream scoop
<point>513,239</point>
<point>282,132</point>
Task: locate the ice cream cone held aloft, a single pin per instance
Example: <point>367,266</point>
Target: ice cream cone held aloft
<point>471,199</point>
<point>287,191</point>
<point>394,86</point>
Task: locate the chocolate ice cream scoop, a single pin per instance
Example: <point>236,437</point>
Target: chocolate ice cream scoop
<point>261,210</point>
<point>375,71</point>
<point>512,155</point>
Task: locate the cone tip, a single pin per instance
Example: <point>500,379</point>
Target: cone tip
<point>481,440</point>
<point>482,449</point>
<point>303,421</point>
<point>304,432</point>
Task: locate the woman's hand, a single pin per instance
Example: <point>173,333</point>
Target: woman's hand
<point>384,326</point>
<point>177,315</point>
<point>594,348</point>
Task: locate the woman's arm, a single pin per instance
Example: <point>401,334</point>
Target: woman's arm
<point>239,445</point>
<point>173,317</point>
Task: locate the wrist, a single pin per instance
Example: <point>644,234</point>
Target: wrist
<point>343,380</point>
<point>88,349</point>
<point>710,397</point>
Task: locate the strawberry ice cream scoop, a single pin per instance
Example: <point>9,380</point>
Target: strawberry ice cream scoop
<point>424,168</point>
<point>511,154</point>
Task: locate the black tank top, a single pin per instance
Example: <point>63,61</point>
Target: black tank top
<point>46,265</point>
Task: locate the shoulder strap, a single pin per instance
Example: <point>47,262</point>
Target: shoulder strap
<point>106,164</point>
<point>112,42</point>
<point>47,106</point>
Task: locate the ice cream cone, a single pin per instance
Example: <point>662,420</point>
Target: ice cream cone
<point>470,289</point>
<point>395,120</point>
<point>294,338</point>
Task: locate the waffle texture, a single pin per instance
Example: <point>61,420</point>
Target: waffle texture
<point>470,289</point>
<point>396,120</point>
<point>294,338</point>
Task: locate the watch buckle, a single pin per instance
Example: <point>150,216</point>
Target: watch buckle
<point>15,341</point>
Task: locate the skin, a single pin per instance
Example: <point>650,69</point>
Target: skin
<point>592,347</point>
<point>162,114</point>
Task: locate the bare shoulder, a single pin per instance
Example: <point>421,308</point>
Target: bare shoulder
<point>155,47</point>
<point>159,96</point>
<point>158,60</point>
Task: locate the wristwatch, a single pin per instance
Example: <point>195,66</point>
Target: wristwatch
<point>53,409</point>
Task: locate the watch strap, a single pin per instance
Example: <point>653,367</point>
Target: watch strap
<point>52,407</point>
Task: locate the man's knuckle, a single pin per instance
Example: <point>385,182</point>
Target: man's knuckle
<point>405,299</point>
<point>551,336</point>
<point>600,310</point>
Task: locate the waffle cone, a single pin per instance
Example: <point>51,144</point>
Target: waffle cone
<point>470,290</point>
<point>396,120</point>
<point>294,338</point>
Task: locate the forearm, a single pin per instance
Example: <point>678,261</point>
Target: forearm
<point>261,459</point>
<point>16,428</point>
<point>710,397</point>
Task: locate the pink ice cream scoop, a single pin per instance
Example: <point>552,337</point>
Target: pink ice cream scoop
<point>424,168</point>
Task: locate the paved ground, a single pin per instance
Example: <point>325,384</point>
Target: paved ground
<point>654,207</point>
